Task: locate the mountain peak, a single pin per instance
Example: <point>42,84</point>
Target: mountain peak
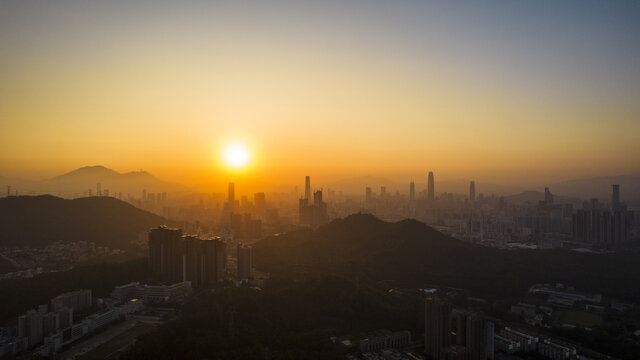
<point>96,170</point>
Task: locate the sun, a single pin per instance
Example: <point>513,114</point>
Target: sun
<point>236,155</point>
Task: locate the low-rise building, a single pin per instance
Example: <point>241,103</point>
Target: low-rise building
<point>527,342</point>
<point>555,351</point>
<point>152,293</point>
<point>385,339</point>
<point>505,344</point>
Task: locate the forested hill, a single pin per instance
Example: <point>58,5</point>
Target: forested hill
<point>413,253</point>
<point>41,220</point>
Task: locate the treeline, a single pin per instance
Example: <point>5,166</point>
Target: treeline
<point>285,320</point>
<point>20,295</point>
<point>412,253</point>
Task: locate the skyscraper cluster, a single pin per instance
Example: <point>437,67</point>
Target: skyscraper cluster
<point>175,257</point>
<point>597,226</point>
<point>312,214</point>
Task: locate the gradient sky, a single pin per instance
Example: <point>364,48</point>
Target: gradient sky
<point>499,91</point>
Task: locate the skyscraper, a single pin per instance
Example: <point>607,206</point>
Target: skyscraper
<point>368,196</point>
<point>307,188</point>
<point>165,253</point>
<point>231,196</point>
<point>472,191</point>
<point>312,214</point>
<point>548,197</point>
<point>431,188</point>
<point>175,258</point>
<point>615,197</point>
<point>476,337</point>
<point>437,327</point>
<point>244,262</point>
<point>260,201</point>
<point>98,189</point>
<point>412,192</point>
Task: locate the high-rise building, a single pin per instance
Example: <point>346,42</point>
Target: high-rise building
<point>165,253</point>
<point>490,340</point>
<point>244,226</point>
<point>473,335</point>
<point>548,197</point>
<point>65,316</point>
<point>476,337</point>
<point>599,227</point>
<point>312,214</point>
<point>615,197</point>
<point>383,192</point>
<point>75,300</point>
<point>307,187</point>
<point>231,196</point>
<point>260,201</point>
<point>472,191</point>
<point>412,192</point>
<point>176,258</point>
<point>98,189</point>
<point>244,262</point>
<point>50,323</point>
<point>437,327</point>
<point>431,188</point>
<point>368,196</point>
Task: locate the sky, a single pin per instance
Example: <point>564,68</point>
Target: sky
<point>500,91</point>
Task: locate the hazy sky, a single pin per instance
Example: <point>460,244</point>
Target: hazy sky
<point>499,91</point>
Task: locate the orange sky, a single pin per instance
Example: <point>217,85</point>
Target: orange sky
<point>328,94</point>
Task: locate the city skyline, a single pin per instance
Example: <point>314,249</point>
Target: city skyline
<point>286,179</point>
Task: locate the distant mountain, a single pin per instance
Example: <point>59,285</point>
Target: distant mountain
<point>87,172</point>
<point>41,220</point>
<point>410,252</point>
<point>600,187</point>
<point>78,182</point>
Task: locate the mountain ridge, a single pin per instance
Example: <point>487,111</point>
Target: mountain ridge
<point>411,252</point>
<point>41,220</point>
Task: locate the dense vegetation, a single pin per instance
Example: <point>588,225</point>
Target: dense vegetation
<point>414,254</point>
<point>285,320</point>
<point>41,220</point>
<point>6,266</point>
<point>20,295</point>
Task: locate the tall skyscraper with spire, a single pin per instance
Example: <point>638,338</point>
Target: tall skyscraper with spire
<point>307,188</point>
<point>431,187</point>
<point>312,214</point>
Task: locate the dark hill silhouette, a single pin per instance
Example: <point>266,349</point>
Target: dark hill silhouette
<point>413,253</point>
<point>41,220</point>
